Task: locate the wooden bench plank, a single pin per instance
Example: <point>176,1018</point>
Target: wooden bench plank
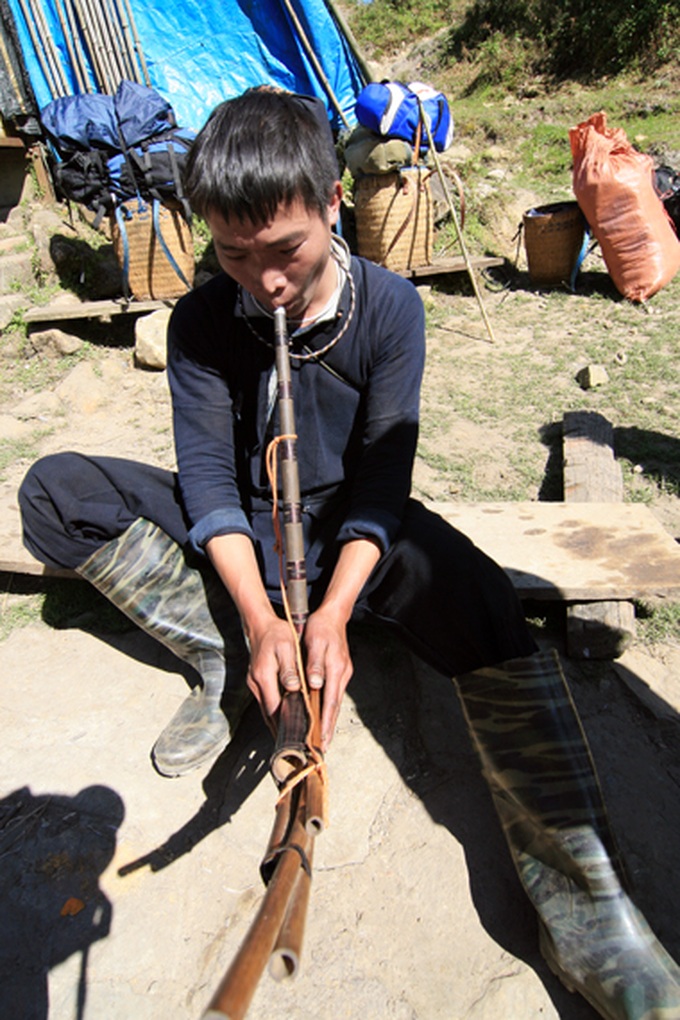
<point>64,312</point>
<point>586,552</point>
<point>578,552</point>
<point>554,551</point>
<point>455,264</point>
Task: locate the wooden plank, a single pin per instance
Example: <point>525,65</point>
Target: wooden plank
<point>63,312</point>
<point>594,630</point>
<point>581,552</point>
<point>585,552</point>
<point>590,472</point>
<point>451,265</point>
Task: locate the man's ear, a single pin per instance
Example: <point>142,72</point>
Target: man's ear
<point>334,204</point>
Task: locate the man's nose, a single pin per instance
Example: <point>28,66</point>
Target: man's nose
<point>272,280</point>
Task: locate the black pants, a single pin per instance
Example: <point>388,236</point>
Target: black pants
<point>454,606</point>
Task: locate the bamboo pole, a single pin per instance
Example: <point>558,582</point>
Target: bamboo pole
<point>98,71</point>
<point>454,216</point>
<point>70,42</point>
<point>338,17</point>
<point>137,44</point>
<point>126,52</point>
<point>236,991</point>
<point>75,29</point>
<point>277,931</point>
<point>304,39</point>
<point>108,72</point>
<point>110,42</point>
<point>39,51</point>
<point>49,47</point>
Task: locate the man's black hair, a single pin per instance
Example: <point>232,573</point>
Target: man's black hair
<point>258,151</point>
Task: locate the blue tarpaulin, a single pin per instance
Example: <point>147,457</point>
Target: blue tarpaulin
<point>200,52</point>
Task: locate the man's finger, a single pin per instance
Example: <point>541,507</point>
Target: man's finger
<point>315,676</point>
<point>289,679</point>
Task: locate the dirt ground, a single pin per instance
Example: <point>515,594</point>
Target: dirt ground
<point>416,913</point>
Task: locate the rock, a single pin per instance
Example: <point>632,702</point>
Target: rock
<point>150,339</point>
<point>39,406</point>
<point>591,376</point>
<point>16,270</point>
<point>12,429</point>
<point>82,390</point>
<point>55,342</point>
<point>9,304</point>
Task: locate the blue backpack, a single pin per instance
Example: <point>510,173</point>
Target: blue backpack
<point>111,150</point>
<point>394,110</point>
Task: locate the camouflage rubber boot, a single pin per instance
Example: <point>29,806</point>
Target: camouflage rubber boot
<point>144,573</point>
<point>538,765</point>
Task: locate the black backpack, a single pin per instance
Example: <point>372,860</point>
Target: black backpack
<point>667,184</point>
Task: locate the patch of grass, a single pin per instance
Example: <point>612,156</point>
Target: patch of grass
<point>18,615</point>
<point>546,152</point>
<point>658,622</point>
<point>384,25</point>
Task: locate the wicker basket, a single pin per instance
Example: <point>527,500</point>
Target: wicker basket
<point>553,238</point>
<point>395,219</point>
<point>150,274</point>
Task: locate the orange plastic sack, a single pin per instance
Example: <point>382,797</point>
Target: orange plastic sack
<point>613,184</point>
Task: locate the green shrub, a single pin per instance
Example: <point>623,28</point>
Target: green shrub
<point>575,37</point>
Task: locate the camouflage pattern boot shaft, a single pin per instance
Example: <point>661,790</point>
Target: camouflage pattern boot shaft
<point>538,765</point>
<point>144,574</point>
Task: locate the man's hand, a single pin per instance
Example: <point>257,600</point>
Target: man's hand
<point>273,660</point>
<point>273,663</point>
<point>328,665</point>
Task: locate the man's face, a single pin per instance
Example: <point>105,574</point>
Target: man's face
<point>284,261</point>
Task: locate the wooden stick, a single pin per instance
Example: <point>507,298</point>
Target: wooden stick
<point>235,993</point>
<point>284,961</point>
<point>459,232</point>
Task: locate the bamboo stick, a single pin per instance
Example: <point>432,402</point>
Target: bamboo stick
<point>98,71</point>
<point>314,60</point>
<point>235,993</point>
<point>137,44</point>
<point>284,961</point>
<point>454,216</point>
<point>70,42</point>
<point>108,74</point>
<point>49,47</point>
<point>122,30</point>
<point>74,27</point>
<point>39,51</point>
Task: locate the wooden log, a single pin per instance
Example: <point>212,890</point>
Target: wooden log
<point>603,629</point>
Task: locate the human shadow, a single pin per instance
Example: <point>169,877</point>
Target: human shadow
<point>53,850</point>
<point>232,778</point>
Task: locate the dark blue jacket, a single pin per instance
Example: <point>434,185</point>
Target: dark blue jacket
<point>356,415</point>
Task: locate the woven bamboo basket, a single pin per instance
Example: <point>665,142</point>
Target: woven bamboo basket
<point>553,238</point>
<point>150,273</point>
<point>395,218</point>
